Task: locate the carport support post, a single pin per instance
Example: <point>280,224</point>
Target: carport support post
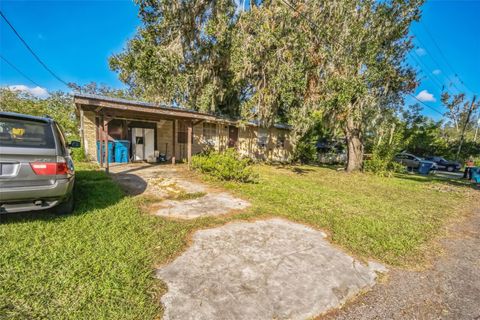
<point>189,143</point>
<point>105,135</point>
<point>100,140</point>
<point>174,140</point>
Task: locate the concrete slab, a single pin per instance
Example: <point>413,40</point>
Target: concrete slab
<point>212,204</point>
<point>164,182</point>
<point>272,269</point>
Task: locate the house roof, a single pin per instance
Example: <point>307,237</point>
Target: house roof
<point>136,106</point>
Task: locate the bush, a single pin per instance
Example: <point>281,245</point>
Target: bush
<point>78,154</point>
<point>224,166</point>
<point>382,161</point>
<point>305,152</point>
<point>383,167</point>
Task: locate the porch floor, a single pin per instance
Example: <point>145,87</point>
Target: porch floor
<point>171,191</point>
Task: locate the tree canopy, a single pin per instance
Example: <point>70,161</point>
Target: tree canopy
<point>276,60</point>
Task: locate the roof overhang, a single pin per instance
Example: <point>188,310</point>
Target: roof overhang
<point>122,107</point>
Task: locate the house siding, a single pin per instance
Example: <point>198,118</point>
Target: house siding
<point>247,144</point>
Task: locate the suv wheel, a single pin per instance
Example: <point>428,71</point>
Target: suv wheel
<point>450,169</point>
<point>65,207</point>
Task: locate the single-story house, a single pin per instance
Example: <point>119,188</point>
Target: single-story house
<point>170,133</point>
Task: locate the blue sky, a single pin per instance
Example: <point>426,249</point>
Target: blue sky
<point>75,39</point>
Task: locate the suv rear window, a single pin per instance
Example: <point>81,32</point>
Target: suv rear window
<point>23,133</point>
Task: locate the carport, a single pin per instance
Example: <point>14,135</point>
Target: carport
<point>120,118</point>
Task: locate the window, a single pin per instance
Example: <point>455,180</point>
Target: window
<point>262,137</point>
<point>182,132</point>
<point>15,132</point>
<point>209,132</point>
<point>63,141</point>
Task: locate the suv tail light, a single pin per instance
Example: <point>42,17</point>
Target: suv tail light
<point>50,168</point>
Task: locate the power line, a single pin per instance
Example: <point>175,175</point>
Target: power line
<point>426,105</point>
<point>435,61</point>
<point>19,71</point>
<point>443,56</point>
<point>429,72</point>
<point>32,52</point>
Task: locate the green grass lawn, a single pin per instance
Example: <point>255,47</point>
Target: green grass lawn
<point>98,263</point>
<point>94,264</point>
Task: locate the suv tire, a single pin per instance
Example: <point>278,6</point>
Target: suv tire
<point>450,169</point>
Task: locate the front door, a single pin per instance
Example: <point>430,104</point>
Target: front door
<point>232,136</point>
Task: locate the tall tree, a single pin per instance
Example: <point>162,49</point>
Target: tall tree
<point>278,60</point>
<point>345,59</point>
<point>456,108</point>
<point>181,54</point>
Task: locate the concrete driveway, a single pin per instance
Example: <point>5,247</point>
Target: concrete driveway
<point>174,192</point>
<point>272,269</point>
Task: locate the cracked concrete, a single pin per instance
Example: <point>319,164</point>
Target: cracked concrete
<point>164,182</point>
<point>212,204</point>
<point>272,269</point>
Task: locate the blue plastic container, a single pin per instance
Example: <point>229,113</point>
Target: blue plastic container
<point>110,151</point>
<point>476,174</point>
<point>122,148</point>
<point>425,167</point>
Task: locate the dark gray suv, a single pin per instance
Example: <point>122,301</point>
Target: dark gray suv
<point>36,170</point>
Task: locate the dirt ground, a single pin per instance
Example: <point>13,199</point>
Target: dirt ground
<point>450,289</point>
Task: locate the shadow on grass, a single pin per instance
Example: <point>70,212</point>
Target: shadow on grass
<point>462,183</point>
<point>302,169</point>
<point>94,190</point>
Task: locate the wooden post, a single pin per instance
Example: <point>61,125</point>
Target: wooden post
<point>189,143</point>
<point>100,140</point>
<point>105,134</point>
<point>174,140</point>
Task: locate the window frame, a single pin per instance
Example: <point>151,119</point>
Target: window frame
<point>209,132</point>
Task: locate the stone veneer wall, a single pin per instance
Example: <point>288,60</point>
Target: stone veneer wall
<point>247,146</point>
<point>89,135</point>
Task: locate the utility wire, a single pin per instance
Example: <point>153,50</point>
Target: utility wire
<point>33,52</point>
<point>434,60</point>
<point>426,105</point>
<point>428,74</point>
<point>19,71</point>
<point>443,56</point>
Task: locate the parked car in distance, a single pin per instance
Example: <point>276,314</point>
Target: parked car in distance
<point>36,169</point>
<point>444,164</point>
<point>412,161</point>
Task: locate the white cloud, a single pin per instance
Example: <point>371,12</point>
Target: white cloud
<point>425,96</point>
<point>437,72</point>
<point>36,91</point>
<point>421,52</point>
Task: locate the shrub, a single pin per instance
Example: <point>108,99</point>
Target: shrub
<point>305,152</point>
<point>224,166</point>
<point>382,167</point>
<point>381,162</point>
<point>78,154</point>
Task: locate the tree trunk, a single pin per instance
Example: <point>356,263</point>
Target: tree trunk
<point>355,147</point>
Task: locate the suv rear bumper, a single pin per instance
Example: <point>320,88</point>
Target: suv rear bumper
<point>35,198</point>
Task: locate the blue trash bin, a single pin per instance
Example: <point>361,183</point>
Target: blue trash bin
<point>122,148</point>
<point>110,151</point>
<point>425,167</point>
<point>476,174</point>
